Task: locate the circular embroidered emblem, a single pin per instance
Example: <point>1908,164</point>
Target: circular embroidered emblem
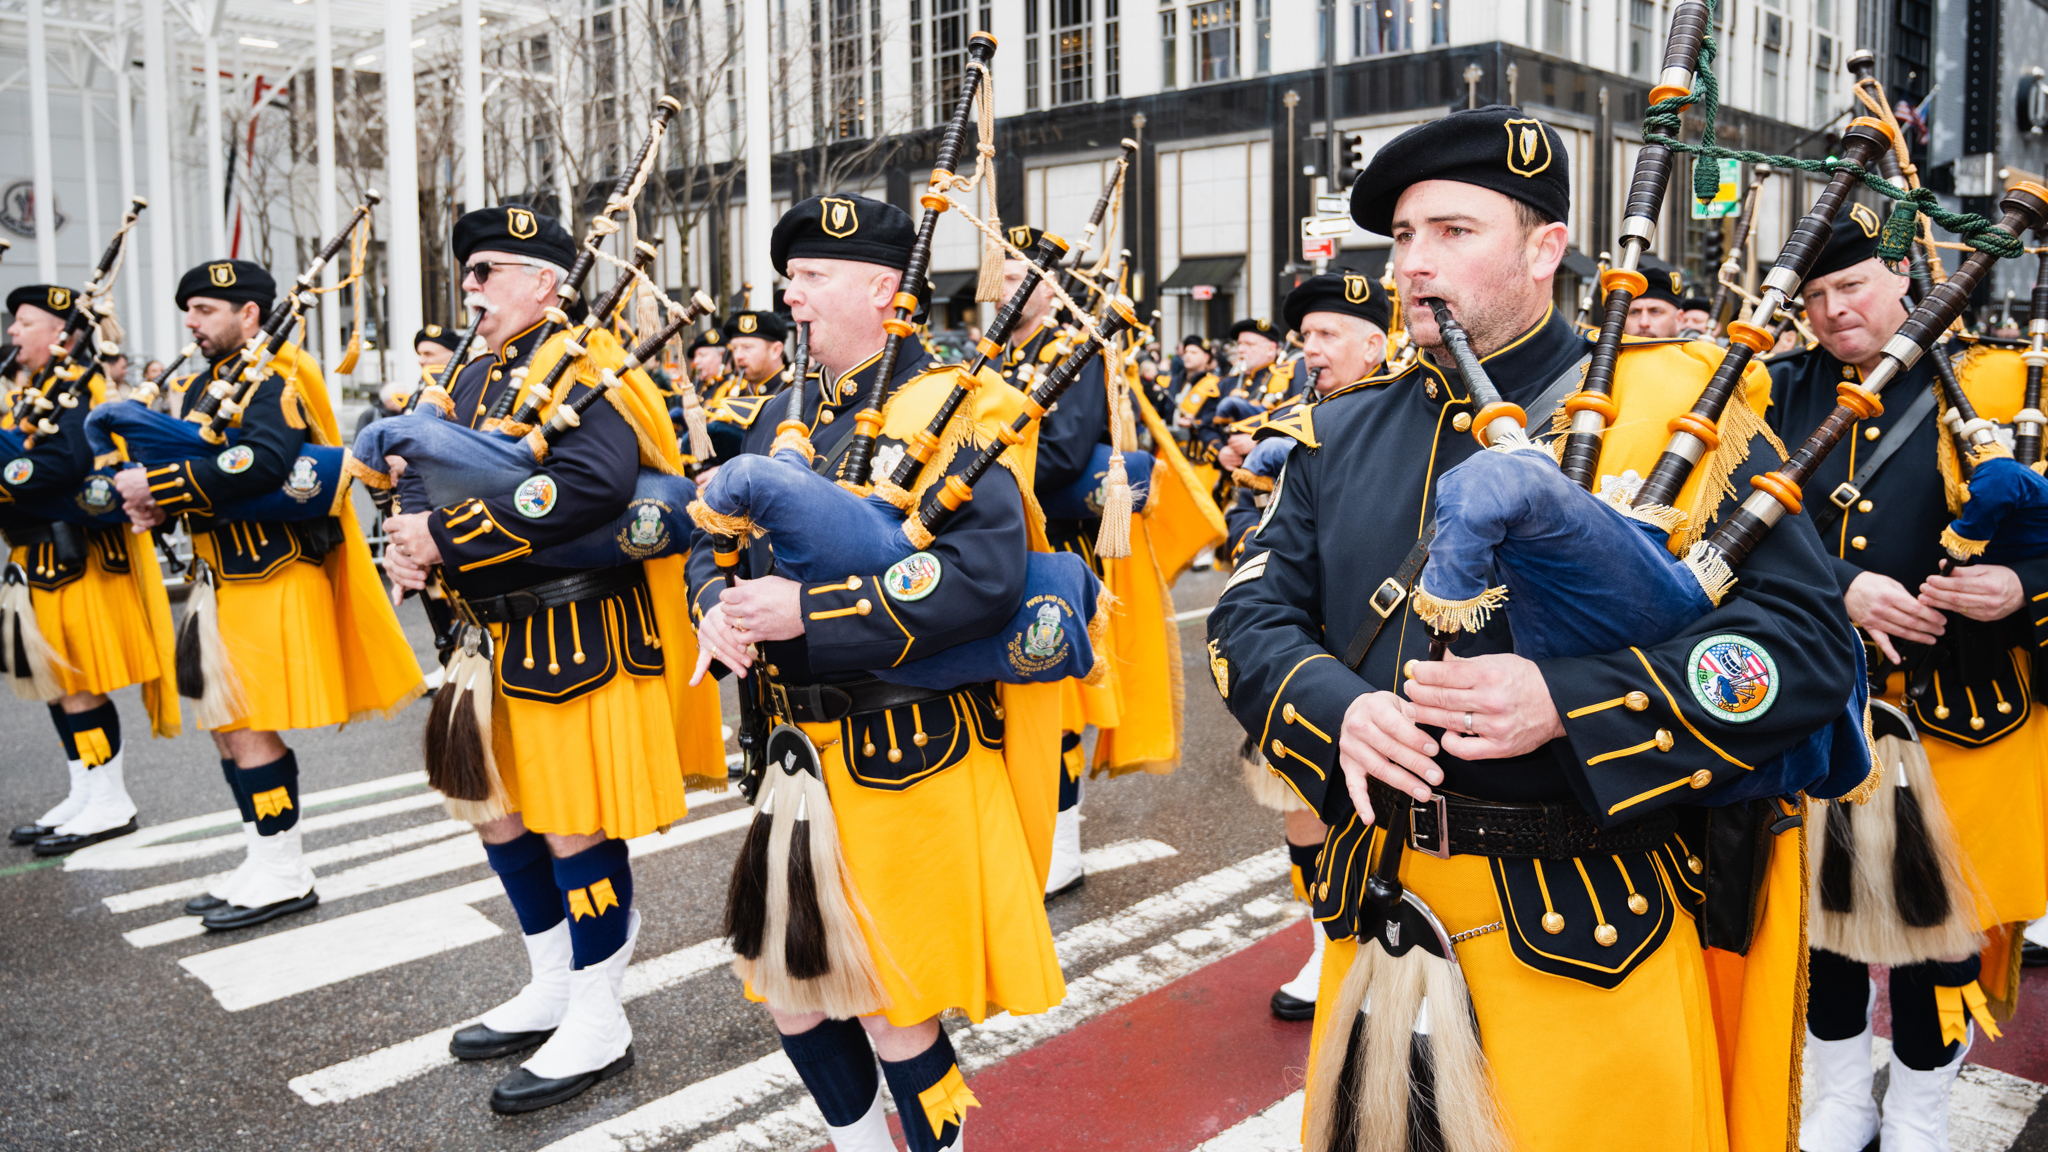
<point>646,533</point>
<point>1044,642</point>
<point>236,459</point>
<point>19,470</point>
<point>97,496</point>
<point>913,577</point>
<point>303,482</point>
<point>1733,676</point>
<point>535,497</point>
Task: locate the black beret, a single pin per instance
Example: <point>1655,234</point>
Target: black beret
<point>1852,241</point>
<point>1352,293</point>
<point>434,333</point>
<point>1022,237</point>
<point>58,302</point>
<point>843,228</point>
<point>772,326</point>
<point>1496,147</point>
<point>1695,304</point>
<point>708,338</point>
<point>515,229</point>
<point>1665,282</point>
<point>1194,340</point>
<point>1257,328</point>
<point>235,281</point>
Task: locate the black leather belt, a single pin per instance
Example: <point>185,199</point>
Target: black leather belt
<point>1449,825</point>
<point>524,602</point>
<point>831,703</point>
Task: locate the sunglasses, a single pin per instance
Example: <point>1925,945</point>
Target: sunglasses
<point>482,269</point>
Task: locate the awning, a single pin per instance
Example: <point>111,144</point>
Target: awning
<point>954,287</point>
<point>1215,271</point>
<point>1581,265</point>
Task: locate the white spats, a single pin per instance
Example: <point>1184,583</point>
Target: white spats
<point>1837,1112</point>
<point>540,1005</point>
<point>1916,1105</point>
<point>1303,986</point>
<point>106,801</point>
<point>594,1031</point>
<point>1066,851</point>
<point>870,1133</point>
<point>229,887</point>
<point>277,870</point>
<point>73,801</point>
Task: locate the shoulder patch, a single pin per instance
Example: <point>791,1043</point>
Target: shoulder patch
<point>18,470</point>
<point>913,577</point>
<point>1733,677</point>
<point>235,460</point>
<point>535,496</point>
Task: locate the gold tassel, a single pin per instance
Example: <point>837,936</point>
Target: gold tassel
<point>1711,569</point>
<point>646,313</point>
<point>988,284</point>
<point>1458,615</point>
<point>894,493</point>
<point>1979,453</point>
<point>719,523</point>
<point>1098,641</point>
<point>1671,520</point>
<point>1962,547</point>
<point>1113,542</point>
<point>795,441</point>
<point>696,424</point>
<point>1253,481</point>
<point>350,466</point>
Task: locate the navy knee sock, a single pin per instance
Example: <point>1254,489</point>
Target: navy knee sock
<point>96,734</point>
<point>838,1066</point>
<point>1303,859</point>
<point>1070,770</point>
<point>1916,1021</point>
<point>1837,995</point>
<point>528,874</point>
<point>273,792</point>
<point>63,724</point>
<point>597,893</point>
<point>931,1096</point>
<point>241,794</point>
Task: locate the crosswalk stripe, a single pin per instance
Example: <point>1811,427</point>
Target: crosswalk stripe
<point>1277,1129</point>
<point>126,855</point>
<point>1123,854</point>
<point>1108,986</point>
<point>394,1065</point>
<point>319,858</point>
<point>262,970</point>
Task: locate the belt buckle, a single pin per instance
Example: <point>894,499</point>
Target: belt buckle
<point>1387,597</point>
<point>1844,495</point>
<point>1439,835</point>
<point>778,696</point>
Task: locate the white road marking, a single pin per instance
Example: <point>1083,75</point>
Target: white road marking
<point>1277,1129</point>
<point>230,818</point>
<point>334,854</point>
<point>1123,854</point>
<point>1113,984</point>
<point>273,967</point>
<point>350,946</point>
<point>131,854</point>
<point>389,1067</point>
<point>1192,614</point>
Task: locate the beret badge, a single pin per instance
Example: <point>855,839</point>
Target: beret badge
<point>1528,147</point>
<point>1357,288</point>
<point>222,275</point>
<point>60,299</point>
<point>840,219</point>
<point>521,224</point>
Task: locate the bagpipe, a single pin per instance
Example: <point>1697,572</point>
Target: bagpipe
<point>88,334</point>
<point>314,488</point>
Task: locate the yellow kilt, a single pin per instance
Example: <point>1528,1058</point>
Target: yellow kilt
<point>954,891</point>
<point>605,761</point>
<point>101,625</point>
<point>1999,807</point>
<point>1574,1067</point>
<point>280,632</point>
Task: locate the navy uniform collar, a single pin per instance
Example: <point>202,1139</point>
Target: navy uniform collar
<point>519,348</point>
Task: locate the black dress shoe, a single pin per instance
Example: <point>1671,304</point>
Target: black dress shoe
<point>477,1042</point>
<point>522,1091</point>
<point>203,903</point>
<point>235,916</point>
<point>28,834</point>
<point>1293,1007</point>
<point>56,845</point>
<point>1073,885</point>
<point>2033,955</point>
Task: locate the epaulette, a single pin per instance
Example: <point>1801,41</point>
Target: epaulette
<point>1199,393</point>
<point>1295,420</point>
<point>740,410</point>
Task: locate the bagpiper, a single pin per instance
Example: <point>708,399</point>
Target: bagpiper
<point>300,618</point>
<point>754,341</point>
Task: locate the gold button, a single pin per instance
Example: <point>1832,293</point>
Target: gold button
<point>920,739</point>
<point>1941,711</point>
<point>1638,903</point>
<point>1553,923</point>
<point>1636,701</point>
<point>853,583</point>
<point>1864,505</point>
<point>554,669</point>
<point>1605,935</point>
<point>868,749</point>
<point>2005,707</point>
<point>495,374</point>
<point>1408,669</point>
<point>1859,543</point>
<point>895,755</point>
<point>1462,421</point>
<point>1287,713</point>
<point>1976,723</point>
<point>1693,865</point>
<point>862,606</point>
<point>1872,433</point>
<point>824,416</point>
<point>1702,778</point>
<point>774,671</point>
<point>1279,750</point>
<point>1664,740</point>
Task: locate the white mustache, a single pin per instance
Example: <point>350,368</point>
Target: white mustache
<point>475,300</point>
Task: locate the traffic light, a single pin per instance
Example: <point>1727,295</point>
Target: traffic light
<point>1355,142</point>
